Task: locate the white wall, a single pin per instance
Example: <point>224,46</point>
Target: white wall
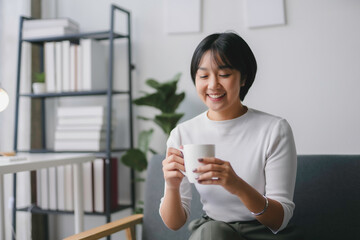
<point>308,69</point>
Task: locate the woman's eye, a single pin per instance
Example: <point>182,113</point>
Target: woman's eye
<point>225,75</point>
<point>203,76</point>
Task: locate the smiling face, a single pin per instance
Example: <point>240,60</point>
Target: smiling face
<point>218,86</point>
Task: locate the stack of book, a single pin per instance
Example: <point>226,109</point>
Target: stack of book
<point>81,129</point>
<point>55,187</point>
<point>42,28</point>
<point>72,67</point>
<point>99,185</point>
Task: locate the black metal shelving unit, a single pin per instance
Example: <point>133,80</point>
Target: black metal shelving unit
<point>109,35</point>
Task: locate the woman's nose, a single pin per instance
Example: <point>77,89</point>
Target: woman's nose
<point>213,82</point>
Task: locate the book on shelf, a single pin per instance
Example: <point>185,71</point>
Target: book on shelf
<point>60,188</point>
<point>59,66</point>
<point>48,32</point>
<point>124,189</point>
<point>66,66</point>
<point>38,188</point>
<point>95,120</point>
<point>88,186</point>
<point>50,66</point>
<point>74,68</point>
<point>50,23</point>
<point>80,134</point>
<point>63,66</point>
<point>38,28</point>
<point>86,111</point>
<point>80,145</point>
<point>94,65</point>
<point>99,184</point>
<point>24,188</point>
<point>82,127</point>
<point>52,188</point>
<point>69,191</point>
<point>79,67</point>
<point>64,187</point>
<point>44,188</point>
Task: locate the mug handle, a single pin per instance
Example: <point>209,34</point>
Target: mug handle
<point>182,151</point>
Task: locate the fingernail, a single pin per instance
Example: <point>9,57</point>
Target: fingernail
<point>196,178</point>
<point>195,170</point>
<point>200,159</point>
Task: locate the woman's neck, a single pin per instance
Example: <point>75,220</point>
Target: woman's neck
<point>221,116</point>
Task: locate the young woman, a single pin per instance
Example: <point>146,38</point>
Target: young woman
<point>247,190</point>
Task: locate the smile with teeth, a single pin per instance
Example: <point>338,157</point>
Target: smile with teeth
<point>216,96</point>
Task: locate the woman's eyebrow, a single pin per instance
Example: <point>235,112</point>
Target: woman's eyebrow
<point>225,67</point>
<point>219,67</point>
<point>202,68</point>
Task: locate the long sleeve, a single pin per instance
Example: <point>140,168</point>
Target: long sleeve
<point>280,169</point>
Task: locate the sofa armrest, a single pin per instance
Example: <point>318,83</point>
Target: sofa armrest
<point>127,223</point>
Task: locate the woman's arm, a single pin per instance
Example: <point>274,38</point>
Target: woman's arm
<point>171,210</point>
<point>218,172</point>
<point>273,215</point>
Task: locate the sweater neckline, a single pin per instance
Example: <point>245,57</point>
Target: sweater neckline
<point>240,118</point>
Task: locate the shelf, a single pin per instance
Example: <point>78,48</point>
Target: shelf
<point>74,37</point>
<point>97,153</point>
<point>72,94</point>
<point>107,93</point>
<point>36,209</point>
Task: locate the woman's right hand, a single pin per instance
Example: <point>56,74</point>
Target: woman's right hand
<point>172,164</point>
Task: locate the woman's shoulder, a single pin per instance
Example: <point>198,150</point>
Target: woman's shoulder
<point>185,129</point>
<point>266,119</point>
<point>261,115</point>
<point>193,122</point>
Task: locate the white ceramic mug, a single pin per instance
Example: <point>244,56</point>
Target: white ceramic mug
<point>192,153</point>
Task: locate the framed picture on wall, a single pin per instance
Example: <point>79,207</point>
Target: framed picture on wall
<point>264,13</point>
<point>182,16</point>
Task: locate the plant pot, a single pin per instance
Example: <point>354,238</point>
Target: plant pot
<point>38,87</point>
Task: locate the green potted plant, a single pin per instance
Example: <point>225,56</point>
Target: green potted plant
<point>167,101</point>
<point>38,84</point>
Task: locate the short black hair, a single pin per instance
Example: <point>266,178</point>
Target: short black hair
<point>230,49</point>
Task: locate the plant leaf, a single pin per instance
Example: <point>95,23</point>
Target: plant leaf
<point>153,100</point>
<point>153,151</point>
<point>144,118</point>
<point>135,159</point>
<point>144,140</point>
<point>168,121</point>
<point>173,102</point>
<point>153,83</point>
<point>139,179</point>
<point>165,98</point>
<point>177,77</point>
<point>165,102</point>
<point>139,210</point>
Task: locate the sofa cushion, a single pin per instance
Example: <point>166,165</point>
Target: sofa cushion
<point>327,199</point>
<point>327,196</point>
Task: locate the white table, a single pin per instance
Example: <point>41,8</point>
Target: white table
<point>46,160</point>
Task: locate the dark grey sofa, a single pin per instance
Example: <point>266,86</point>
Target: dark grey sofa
<point>327,198</point>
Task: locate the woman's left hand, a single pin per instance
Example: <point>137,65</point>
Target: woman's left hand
<point>218,172</point>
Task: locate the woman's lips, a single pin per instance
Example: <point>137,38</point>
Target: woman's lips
<point>216,96</point>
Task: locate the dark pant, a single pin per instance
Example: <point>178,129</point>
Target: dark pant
<point>207,228</point>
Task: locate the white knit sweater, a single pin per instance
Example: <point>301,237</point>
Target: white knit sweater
<point>261,150</point>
